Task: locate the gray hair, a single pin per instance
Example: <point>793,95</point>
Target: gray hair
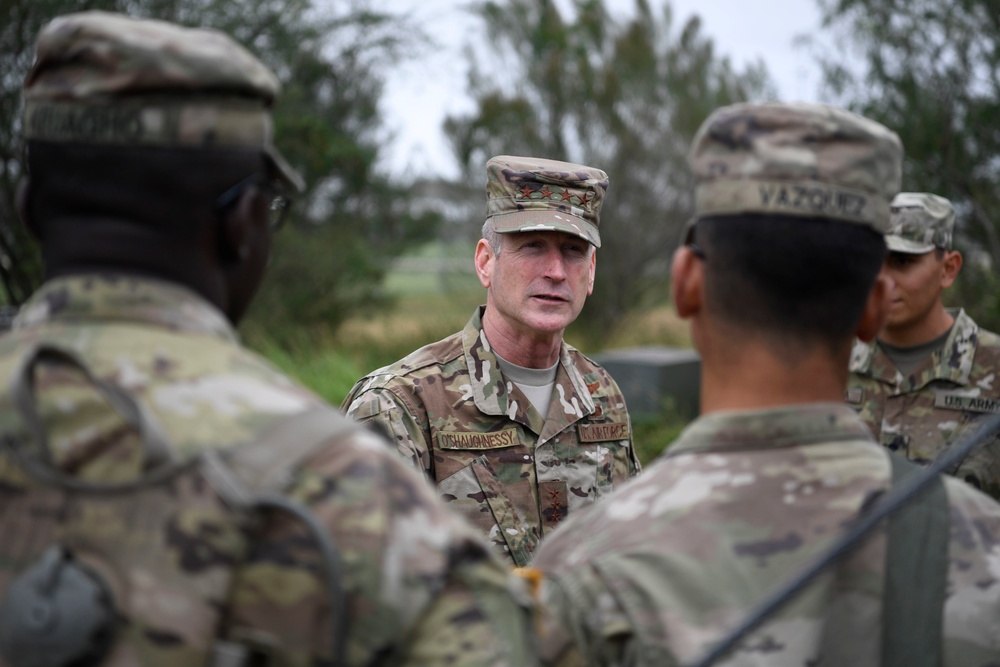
<point>492,237</point>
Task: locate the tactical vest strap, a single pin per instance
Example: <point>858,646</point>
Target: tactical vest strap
<point>916,575</point>
<point>254,475</point>
<point>157,451</point>
<point>266,464</point>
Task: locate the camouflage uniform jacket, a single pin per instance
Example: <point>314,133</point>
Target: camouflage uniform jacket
<point>513,474</point>
<point>422,588</point>
<point>945,398</point>
<point>664,568</point>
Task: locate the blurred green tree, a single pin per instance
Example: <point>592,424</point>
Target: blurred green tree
<point>330,57</point>
<point>625,95</point>
<point>930,70</point>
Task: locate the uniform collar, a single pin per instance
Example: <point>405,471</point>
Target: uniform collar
<point>128,299</point>
<point>952,362</point>
<point>495,396</point>
<point>785,426</point>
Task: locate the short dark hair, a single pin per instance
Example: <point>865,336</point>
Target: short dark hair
<point>151,186</point>
<point>794,281</point>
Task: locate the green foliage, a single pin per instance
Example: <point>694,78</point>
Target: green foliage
<point>330,362</point>
<point>653,435</point>
<point>20,20</point>
<point>330,57</point>
<point>327,370</point>
<point>931,72</point>
<point>623,95</point>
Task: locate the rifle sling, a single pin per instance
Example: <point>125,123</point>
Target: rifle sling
<point>916,575</point>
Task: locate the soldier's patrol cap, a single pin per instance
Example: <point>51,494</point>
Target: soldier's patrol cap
<point>920,222</point>
<point>105,78</point>
<point>795,159</point>
<point>526,194</point>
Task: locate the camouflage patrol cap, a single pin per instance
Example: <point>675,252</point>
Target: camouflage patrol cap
<point>802,160</point>
<point>920,222</point>
<point>105,78</point>
<point>527,194</point>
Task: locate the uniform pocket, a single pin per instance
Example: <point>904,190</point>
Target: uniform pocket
<point>476,493</point>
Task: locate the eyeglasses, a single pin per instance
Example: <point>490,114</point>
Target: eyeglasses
<point>277,207</point>
<point>695,249</point>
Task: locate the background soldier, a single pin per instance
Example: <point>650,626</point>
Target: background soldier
<point>930,377</point>
<point>516,428</point>
<point>154,190</point>
<point>780,272</point>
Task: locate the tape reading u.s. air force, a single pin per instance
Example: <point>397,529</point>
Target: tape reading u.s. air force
<point>603,432</point>
<point>467,440</point>
<point>967,403</point>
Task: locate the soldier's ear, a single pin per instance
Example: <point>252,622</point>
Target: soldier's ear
<point>950,267</point>
<point>236,230</point>
<point>687,279</point>
<point>21,200</point>
<point>484,263</point>
<point>593,270</point>
<point>876,309</point>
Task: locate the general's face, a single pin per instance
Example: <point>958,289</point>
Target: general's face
<point>919,281</point>
<point>540,280</point>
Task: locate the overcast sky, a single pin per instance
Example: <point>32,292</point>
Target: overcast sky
<point>419,94</point>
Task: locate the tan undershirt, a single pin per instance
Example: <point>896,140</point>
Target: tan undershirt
<point>908,359</point>
<point>536,383</point>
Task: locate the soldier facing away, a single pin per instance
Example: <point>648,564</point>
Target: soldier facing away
<point>929,378</point>
<point>155,190</point>
<point>780,271</point>
<point>515,427</point>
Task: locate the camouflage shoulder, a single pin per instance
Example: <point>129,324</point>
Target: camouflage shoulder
<point>861,357</point>
<point>432,354</point>
<point>973,611</point>
<point>988,340</point>
<point>985,361</point>
<point>588,367</point>
<point>421,362</point>
<point>574,352</point>
<point>976,506</point>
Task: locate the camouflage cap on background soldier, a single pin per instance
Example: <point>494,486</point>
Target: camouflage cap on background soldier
<point>527,194</point>
<point>803,160</point>
<point>920,222</point>
<point>105,78</point>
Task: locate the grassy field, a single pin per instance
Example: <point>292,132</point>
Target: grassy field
<point>430,306</point>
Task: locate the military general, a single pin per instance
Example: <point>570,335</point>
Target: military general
<point>167,497</point>
<point>930,377</point>
<point>779,272</point>
<point>517,429</point>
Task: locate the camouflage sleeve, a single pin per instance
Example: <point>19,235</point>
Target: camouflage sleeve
<point>578,622</point>
<point>635,466</point>
<point>981,469</point>
<point>381,409</point>
<point>477,591</point>
<point>627,464</point>
<point>972,610</point>
<point>422,589</point>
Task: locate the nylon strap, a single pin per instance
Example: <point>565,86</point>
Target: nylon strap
<point>916,575</point>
